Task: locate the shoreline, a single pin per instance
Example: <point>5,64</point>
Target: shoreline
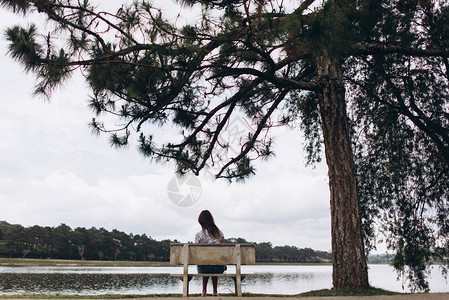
<point>30,262</point>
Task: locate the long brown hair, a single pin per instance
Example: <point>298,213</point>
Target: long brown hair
<point>207,223</point>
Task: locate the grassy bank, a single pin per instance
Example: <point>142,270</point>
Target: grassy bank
<point>108,263</point>
<point>318,293</point>
<point>77,263</point>
<point>335,293</point>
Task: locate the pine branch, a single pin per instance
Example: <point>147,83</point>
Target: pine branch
<point>242,92</point>
<point>397,48</point>
<point>261,125</point>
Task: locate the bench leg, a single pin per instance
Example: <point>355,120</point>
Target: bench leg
<point>238,271</point>
<point>185,277</point>
<point>185,286</point>
<point>238,285</point>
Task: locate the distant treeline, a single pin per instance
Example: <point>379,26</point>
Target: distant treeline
<point>63,242</point>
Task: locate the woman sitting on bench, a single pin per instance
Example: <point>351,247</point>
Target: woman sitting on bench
<point>210,234</point>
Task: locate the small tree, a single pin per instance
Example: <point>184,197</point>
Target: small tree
<point>81,251</point>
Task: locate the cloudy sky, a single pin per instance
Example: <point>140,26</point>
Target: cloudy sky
<point>53,171</point>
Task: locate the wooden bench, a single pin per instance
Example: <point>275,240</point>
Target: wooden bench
<point>212,254</point>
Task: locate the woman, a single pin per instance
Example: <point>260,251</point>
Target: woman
<point>210,234</point>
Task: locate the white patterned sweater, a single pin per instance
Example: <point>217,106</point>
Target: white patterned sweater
<point>203,237</point>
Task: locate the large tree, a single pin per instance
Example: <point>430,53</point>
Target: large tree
<point>398,109</point>
<point>253,58</point>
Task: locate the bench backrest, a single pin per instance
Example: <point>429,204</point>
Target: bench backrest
<point>212,254</point>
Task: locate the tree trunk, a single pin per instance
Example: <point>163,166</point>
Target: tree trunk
<point>348,255</point>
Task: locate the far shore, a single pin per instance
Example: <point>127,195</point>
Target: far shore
<point>109,263</point>
<point>77,263</point>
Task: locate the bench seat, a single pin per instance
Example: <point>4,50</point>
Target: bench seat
<point>233,276</point>
<point>212,275</point>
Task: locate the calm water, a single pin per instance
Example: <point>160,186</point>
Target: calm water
<point>156,280</point>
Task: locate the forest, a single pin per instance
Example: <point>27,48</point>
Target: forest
<point>63,242</point>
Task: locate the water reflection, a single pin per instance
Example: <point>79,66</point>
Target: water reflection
<point>73,283</point>
<point>157,280</point>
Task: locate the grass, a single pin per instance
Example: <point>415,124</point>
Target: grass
<point>107,263</point>
<point>343,292</point>
<point>77,263</point>
<point>317,293</point>
<point>110,296</point>
<point>332,293</point>
<point>107,296</point>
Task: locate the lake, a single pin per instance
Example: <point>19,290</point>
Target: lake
<point>267,279</point>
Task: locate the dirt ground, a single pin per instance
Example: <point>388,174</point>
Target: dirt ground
<point>433,296</point>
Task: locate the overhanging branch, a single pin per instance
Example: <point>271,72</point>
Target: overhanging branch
<point>398,48</point>
<point>260,127</point>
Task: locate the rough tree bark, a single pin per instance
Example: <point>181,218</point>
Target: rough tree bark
<point>348,255</point>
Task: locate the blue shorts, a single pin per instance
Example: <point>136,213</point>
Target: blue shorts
<point>207,269</point>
